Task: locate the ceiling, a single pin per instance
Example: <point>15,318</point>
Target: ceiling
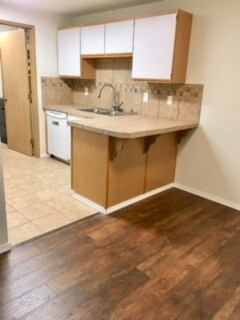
<point>76,7</point>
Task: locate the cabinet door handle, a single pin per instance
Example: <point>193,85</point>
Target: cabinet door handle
<point>55,123</point>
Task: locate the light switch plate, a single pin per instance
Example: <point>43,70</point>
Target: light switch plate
<point>145,97</point>
<point>169,100</point>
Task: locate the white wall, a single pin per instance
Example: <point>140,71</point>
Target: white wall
<point>209,159</point>
<point>46,46</point>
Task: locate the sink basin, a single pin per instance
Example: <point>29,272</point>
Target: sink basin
<point>106,112</point>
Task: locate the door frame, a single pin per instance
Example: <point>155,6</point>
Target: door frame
<point>33,65</point>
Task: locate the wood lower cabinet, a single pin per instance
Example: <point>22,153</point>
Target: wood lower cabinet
<point>161,162</point>
<point>108,170</point>
<point>90,159</point>
<point>126,173</point>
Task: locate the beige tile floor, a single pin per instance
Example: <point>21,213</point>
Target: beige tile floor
<point>38,196</point>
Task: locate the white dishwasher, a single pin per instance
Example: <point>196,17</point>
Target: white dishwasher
<point>58,135</point>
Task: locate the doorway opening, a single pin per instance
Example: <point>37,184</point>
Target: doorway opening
<point>37,190</point>
<point>18,88</point>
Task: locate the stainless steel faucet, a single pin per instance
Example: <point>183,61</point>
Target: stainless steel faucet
<point>115,105</point>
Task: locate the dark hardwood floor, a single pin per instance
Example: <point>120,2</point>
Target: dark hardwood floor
<point>174,256</point>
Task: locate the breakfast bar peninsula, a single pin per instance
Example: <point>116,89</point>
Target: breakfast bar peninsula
<point>117,161</point>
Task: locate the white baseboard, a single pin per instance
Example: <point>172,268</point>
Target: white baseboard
<point>88,202</point>
<point>122,204</point>
<point>208,196</point>
<point>138,198</point>
<point>5,247</point>
<point>44,155</point>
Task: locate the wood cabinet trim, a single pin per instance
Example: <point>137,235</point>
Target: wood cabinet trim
<point>107,55</point>
<point>181,46</point>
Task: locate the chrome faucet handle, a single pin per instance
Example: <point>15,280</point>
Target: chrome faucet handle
<point>117,106</point>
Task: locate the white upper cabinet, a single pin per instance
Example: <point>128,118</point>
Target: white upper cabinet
<point>161,46</point>
<point>119,37</point>
<point>69,52</point>
<point>92,40</point>
<point>153,47</point>
<point>110,38</point>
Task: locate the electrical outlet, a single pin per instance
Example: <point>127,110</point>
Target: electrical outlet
<point>145,97</point>
<point>86,91</point>
<point>169,100</point>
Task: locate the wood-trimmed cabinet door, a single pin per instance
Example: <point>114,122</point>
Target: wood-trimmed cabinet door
<point>92,40</point>
<point>69,63</point>
<point>161,45</point>
<point>119,37</point>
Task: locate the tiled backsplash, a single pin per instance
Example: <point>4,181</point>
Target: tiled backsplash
<point>56,91</point>
<point>186,99</point>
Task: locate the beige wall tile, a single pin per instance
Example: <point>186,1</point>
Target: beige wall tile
<point>134,101</point>
<point>56,91</point>
<point>82,100</point>
<point>168,111</point>
<point>189,109</point>
<point>151,107</point>
<point>105,71</point>
<point>120,72</point>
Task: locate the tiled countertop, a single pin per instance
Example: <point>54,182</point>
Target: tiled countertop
<point>133,126</point>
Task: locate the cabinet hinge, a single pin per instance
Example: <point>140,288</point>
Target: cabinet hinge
<point>32,143</point>
<point>30,96</point>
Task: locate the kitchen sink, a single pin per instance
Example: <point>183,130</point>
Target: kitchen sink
<point>107,112</point>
